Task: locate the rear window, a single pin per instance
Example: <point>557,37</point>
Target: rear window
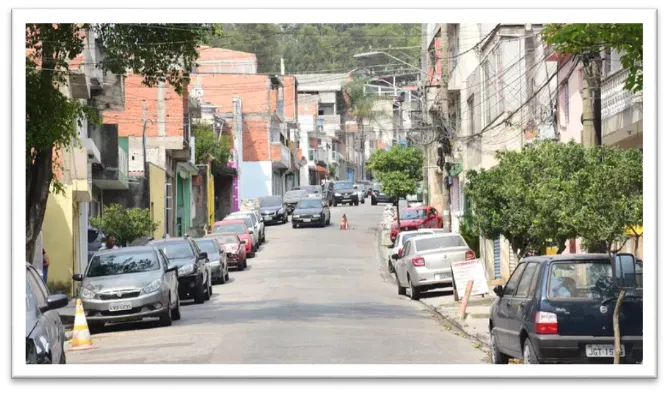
<point>208,245</point>
<point>439,242</point>
<point>271,201</point>
<point>413,214</point>
<point>234,228</point>
<point>580,280</point>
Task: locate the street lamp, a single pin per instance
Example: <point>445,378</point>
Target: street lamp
<point>371,54</point>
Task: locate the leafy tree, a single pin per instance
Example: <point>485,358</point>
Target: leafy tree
<point>333,167</point>
<point>588,40</point>
<point>209,145</point>
<point>399,170</point>
<point>159,52</point>
<point>126,225</point>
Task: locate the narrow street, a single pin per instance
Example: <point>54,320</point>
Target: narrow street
<point>311,295</point>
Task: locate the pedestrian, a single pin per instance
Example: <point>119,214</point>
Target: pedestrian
<point>109,244</point>
<point>45,268</point>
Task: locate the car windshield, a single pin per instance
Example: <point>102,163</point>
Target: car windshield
<point>209,246</point>
<point>295,194</point>
<point>413,214</point>
<point>176,250</point>
<point>234,228</point>
<point>580,280</point>
<point>439,242</point>
<point>342,186</point>
<point>113,264</point>
<point>309,204</point>
<point>409,236</point>
<point>270,201</point>
<point>227,239</point>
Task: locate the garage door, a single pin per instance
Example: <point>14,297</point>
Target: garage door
<point>497,258</point>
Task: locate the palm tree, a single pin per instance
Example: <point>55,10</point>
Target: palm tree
<point>361,106</point>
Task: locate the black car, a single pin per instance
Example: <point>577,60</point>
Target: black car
<point>378,196</point>
<point>292,197</point>
<point>273,210</point>
<point>45,334</point>
<point>311,211</point>
<point>193,270</point>
<point>558,309</point>
<point>345,192</point>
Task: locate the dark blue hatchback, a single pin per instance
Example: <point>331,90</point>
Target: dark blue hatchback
<point>558,309</point>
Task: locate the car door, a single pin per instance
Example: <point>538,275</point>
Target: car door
<point>502,323</point>
<point>50,320</point>
<point>325,210</point>
<point>170,277</point>
<point>519,306</point>
<point>201,263</point>
<point>401,264</point>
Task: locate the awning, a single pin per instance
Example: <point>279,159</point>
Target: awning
<point>320,169</point>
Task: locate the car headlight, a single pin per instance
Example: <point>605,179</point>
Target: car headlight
<point>86,293</point>
<point>152,287</point>
<point>187,269</point>
<point>214,263</point>
<point>280,211</point>
<point>337,194</point>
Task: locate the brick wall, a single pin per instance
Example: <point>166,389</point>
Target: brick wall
<point>256,142</point>
<point>221,88</point>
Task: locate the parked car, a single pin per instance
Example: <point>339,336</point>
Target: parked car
<point>378,196</point>
<point>129,284</point>
<point>344,192</point>
<point>95,241</point>
<point>273,210</point>
<point>292,197</point>
<point>361,192</point>
<point>558,309</point>
<point>255,237</point>
<point>402,238</point>
<point>234,248</point>
<point>217,258</point>
<point>256,220</point>
<point>414,218</point>
<point>424,262</point>
<point>194,273</point>
<point>417,197</point>
<point>311,211</point>
<point>45,334</point>
<point>239,227</point>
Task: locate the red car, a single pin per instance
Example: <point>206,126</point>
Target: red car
<point>414,218</point>
<point>234,248</point>
<point>239,227</point>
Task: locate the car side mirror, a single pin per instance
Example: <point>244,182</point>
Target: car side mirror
<point>203,255</point>
<point>77,277</point>
<point>55,302</point>
<point>624,270</point>
<point>172,268</point>
<point>498,290</point>
<point>395,256</point>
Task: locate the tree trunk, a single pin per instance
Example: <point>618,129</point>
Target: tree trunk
<point>39,178</point>
<point>615,325</point>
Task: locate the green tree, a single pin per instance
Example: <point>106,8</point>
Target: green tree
<point>159,52</point>
<point>333,167</point>
<point>209,145</point>
<point>399,170</point>
<point>126,225</point>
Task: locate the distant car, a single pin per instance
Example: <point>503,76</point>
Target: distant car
<point>414,218</point>
<point>217,259</point>
<point>345,193</point>
<point>378,196</point>
<point>402,238</point>
<point>255,237</point>
<point>292,197</point>
<point>558,309</point>
<point>194,272</point>
<point>232,245</point>
<point>361,192</point>
<point>256,220</point>
<point>424,262</point>
<point>327,191</point>
<point>311,211</point>
<point>417,197</point>
<point>313,191</point>
<point>273,210</point>
<point>129,284</point>
<point>239,227</point>
<point>95,241</point>
<point>45,334</point>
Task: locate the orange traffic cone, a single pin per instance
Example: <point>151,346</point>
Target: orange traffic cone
<point>81,335</point>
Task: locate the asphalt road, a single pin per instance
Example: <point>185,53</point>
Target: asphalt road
<point>310,296</point>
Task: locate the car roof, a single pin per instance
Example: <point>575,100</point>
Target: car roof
<point>170,240</point>
<point>310,199</point>
<point>564,257</point>
<point>438,235</point>
<point>130,249</point>
<point>416,208</point>
<point>230,221</point>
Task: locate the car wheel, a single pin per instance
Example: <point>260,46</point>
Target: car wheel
<point>390,268</point>
<point>210,292</point>
<point>497,356</point>
<point>227,277</point>
<point>166,317</point>
<point>415,292</point>
<point>323,223</point>
<point>357,203</point>
<point>528,353</point>
<point>199,294</point>
<point>400,290</point>
<point>374,202</point>
<point>252,254</point>
<point>334,203</point>
<point>63,359</point>
<point>176,312</point>
<point>328,220</point>
<point>294,225</point>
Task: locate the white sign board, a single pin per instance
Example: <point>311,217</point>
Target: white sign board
<point>464,271</point>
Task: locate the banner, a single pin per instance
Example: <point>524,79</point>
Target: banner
<point>464,271</point>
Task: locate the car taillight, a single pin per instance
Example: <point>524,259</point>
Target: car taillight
<point>470,255</point>
<point>418,261</point>
<point>546,323</point>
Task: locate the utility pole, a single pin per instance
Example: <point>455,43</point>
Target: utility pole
<point>146,197</point>
<point>423,108</point>
<point>363,149</point>
<point>445,104</point>
<point>591,100</point>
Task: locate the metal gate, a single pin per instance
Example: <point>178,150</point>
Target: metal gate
<point>512,260</point>
<point>497,258</point>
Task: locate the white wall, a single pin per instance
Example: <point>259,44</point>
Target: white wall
<point>258,179</point>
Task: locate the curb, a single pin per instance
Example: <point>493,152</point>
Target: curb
<point>457,325</point>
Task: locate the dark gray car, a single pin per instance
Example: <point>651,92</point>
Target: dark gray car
<point>217,259</point>
<point>292,197</point>
<point>311,211</point>
<point>273,210</point>
<point>345,193</point>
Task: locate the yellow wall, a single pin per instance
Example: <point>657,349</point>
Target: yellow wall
<point>60,236</point>
<point>210,197</point>
<point>157,179</point>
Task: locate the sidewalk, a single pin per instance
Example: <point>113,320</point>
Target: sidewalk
<point>475,323</point>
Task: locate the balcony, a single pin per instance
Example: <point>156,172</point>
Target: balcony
<point>621,112</point>
<point>280,156</point>
<point>112,171</point>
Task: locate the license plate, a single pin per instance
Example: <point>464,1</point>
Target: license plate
<point>120,306</point>
<point>346,200</point>
<point>307,220</point>
<point>602,351</point>
<point>442,276</point>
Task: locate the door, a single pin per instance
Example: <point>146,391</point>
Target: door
<point>519,307</point>
<point>49,319</point>
<point>503,323</point>
<point>400,264</point>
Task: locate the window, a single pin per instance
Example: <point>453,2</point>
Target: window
<point>232,228</point>
<point>524,289</point>
<point>580,279</point>
<point>163,260</point>
<point>566,103</point>
<point>413,214</point>
<point>445,241</point>
<point>511,285</point>
<point>37,287</point>
<point>470,108</point>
